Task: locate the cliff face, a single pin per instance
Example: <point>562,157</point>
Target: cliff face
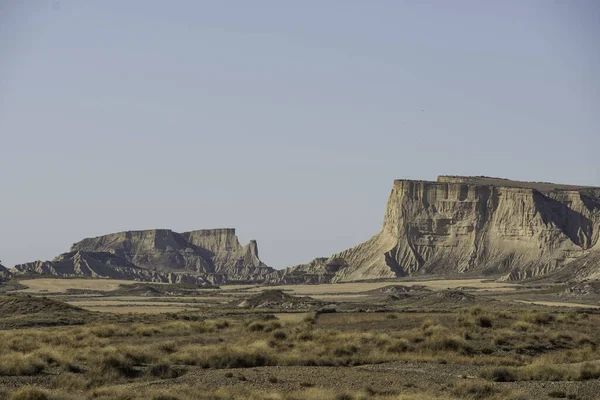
<point>456,225</point>
<point>100,265</point>
<point>159,255</point>
<point>484,226</point>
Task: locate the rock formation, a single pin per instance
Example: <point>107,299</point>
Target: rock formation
<point>101,265</point>
<point>475,225</point>
<point>4,273</point>
<point>213,255</point>
<point>478,226</point>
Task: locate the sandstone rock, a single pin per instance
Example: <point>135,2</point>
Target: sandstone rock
<point>4,272</point>
<point>476,225</point>
<point>98,265</point>
<point>162,255</point>
<point>479,226</point>
<point>210,252</point>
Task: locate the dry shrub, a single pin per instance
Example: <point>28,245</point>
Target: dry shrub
<point>256,326</point>
<point>220,357</point>
<point>168,347</point>
<point>30,393</point>
<point>473,390</point>
<point>34,393</point>
<point>269,326</point>
<point>523,326</point>
<point>69,381</point>
<point>399,346</point>
<point>475,317</point>
<point>539,318</point>
<point>138,354</point>
<point>146,330</point>
<point>162,371</point>
<point>111,366</point>
<point>185,328</point>
<point>439,338</point>
<point>15,364</point>
<point>279,335</point>
<point>543,372</point>
<point>109,331</point>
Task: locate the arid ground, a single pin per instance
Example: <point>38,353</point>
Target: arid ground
<point>426,339</point>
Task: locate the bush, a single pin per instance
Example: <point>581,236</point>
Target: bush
<point>589,371</point>
<point>30,393</point>
<point>279,335</point>
<point>256,326</point>
<point>114,366</point>
<point>543,372</point>
<point>442,342</point>
<point>15,364</point>
<point>225,357</point>
<point>473,390</point>
<point>399,346</point>
<point>500,374</point>
<point>522,326</point>
<point>485,321</point>
<point>162,371</point>
<point>69,381</point>
<point>540,318</point>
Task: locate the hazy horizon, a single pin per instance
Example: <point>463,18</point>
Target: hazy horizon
<point>286,121</point>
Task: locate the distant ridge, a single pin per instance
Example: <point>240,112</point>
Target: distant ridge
<point>159,255</point>
<point>457,225</point>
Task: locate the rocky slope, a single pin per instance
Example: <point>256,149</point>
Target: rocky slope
<point>101,265</point>
<point>161,255</point>
<point>477,225</point>
<point>4,273</point>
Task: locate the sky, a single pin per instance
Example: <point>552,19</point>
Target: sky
<point>287,120</point>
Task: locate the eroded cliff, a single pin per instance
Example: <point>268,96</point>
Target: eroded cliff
<point>161,255</point>
<point>478,225</point>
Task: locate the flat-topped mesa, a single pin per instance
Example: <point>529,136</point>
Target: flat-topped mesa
<point>503,182</point>
<point>215,240</point>
<point>213,255</point>
<point>458,225</point>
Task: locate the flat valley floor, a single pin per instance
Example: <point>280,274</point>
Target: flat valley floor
<point>401,339</point>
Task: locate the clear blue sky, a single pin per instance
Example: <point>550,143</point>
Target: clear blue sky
<point>286,120</point>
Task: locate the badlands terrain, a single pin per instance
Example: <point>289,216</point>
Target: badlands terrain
<point>475,288</point>
<point>397,339</point>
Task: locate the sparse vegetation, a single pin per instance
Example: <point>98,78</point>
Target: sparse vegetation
<point>488,347</point>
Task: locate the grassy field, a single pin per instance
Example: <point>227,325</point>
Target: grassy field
<point>475,353</point>
<point>559,304</point>
<point>383,340</point>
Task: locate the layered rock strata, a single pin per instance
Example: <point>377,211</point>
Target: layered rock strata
<point>212,255</point>
<point>476,225</point>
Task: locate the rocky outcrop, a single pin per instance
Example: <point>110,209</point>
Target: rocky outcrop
<point>475,225</point>
<point>277,299</point>
<point>478,226</point>
<point>320,270</point>
<point>100,265</point>
<point>214,256</point>
<point>4,272</point>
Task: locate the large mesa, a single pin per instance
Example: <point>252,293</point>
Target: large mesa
<point>159,255</point>
<point>473,225</point>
